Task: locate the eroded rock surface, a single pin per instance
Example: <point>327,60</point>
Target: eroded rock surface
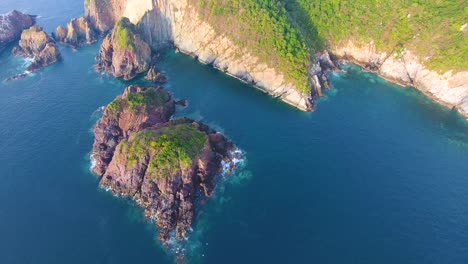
<point>36,44</point>
<point>163,165</point>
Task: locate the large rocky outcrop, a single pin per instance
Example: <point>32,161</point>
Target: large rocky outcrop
<point>449,89</point>
<point>11,26</point>
<point>78,32</point>
<point>176,21</point>
<point>123,52</point>
<point>36,44</point>
<point>163,165</point>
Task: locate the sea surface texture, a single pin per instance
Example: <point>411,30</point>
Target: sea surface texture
<point>378,174</point>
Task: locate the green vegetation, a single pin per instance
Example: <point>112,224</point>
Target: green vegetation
<point>172,148</point>
<point>283,33</point>
<point>263,28</point>
<point>428,28</point>
<point>140,101</point>
<point>124,34</point>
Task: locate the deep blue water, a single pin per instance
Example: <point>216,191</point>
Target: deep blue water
<point>378,174</point>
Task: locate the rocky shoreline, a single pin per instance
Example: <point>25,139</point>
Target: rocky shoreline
<point>448,89</point>
<point>163,165</point>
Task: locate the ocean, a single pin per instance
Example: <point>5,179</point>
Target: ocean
<point>377,174</point>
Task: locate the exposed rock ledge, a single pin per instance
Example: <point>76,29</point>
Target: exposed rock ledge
<point>163,165</point>
<point>11,26</point>
<point>449,89</point>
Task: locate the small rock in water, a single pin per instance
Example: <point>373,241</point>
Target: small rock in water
<point>16,77</point>
<point>155,76</point>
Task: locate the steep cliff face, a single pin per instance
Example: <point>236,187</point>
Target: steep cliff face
<point>177,21</point>
<point>162,165</point>
<point>449,89</point>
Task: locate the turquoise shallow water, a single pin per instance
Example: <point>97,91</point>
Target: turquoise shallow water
<point>378,174</point>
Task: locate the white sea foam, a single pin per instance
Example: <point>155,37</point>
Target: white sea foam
<point>93,162</point>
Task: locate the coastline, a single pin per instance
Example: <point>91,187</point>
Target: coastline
<point>298,105</point>
<point>448,89</point>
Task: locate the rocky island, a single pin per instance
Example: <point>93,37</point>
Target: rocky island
<point>36,44</point>
<point>11,26</point>
<point>162,164</point>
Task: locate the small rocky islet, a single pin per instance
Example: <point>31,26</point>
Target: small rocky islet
<point>35,43</point>
<point>163,164</point>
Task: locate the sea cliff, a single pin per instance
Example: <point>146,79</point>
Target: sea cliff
<point>166,22</point>
<point>405,68</point>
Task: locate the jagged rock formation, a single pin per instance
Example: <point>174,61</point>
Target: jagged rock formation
<point>123,52</point>
<point>164,22</point>
<point>449,89</point>
<point>36,44</point>
<point>163,165</point>
<point>155,76</point>
<point>77,33</point>
<point>11,26</point>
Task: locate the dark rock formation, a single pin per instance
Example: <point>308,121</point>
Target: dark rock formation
<point>11,26</point>
<point>123,52</point>
<point>36,44</point>
<point>319,70</point>
<point>78,32</point>
<point>163,165</point>
<point>155,76</point>
<point>16,77</point>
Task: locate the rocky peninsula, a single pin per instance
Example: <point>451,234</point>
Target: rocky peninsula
<point>162,164</point>
<point>36,44</point>
<point>11,26</point>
